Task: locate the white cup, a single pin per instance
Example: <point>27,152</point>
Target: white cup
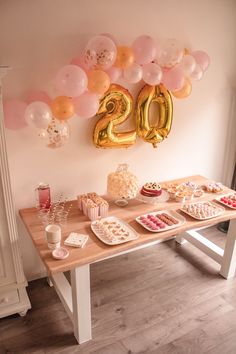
<point>53,236</point>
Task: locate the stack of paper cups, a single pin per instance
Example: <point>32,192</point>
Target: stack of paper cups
<point>53,236</point>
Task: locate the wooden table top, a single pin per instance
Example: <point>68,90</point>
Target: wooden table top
<point>95,249</point>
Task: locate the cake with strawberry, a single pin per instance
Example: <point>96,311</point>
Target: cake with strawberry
<point>151,189</point>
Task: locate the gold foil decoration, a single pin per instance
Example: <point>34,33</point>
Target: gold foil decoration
<point>115,108</point>
<point>154,134</point>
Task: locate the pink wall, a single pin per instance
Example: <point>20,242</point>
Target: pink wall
<point>37,37</point>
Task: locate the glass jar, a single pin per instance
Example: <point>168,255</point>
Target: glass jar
<point>43,196</point>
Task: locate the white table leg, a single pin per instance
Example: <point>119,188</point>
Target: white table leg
<point>180,239</point>
<point>80,286</point>
<point>228,264</point>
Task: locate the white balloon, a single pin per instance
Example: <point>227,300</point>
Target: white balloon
<point>188,64</point>
<point>133,73</point>
<point>197,73</point>
<point>38,115</point>
<point>171,53</point>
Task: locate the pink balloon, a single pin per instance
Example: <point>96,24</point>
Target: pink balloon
<point>152,74</point>
<point>71,81</point>
<point>173,79</point>
<point>114,73</point>
<point>79,61</point>
<point>14,114</point>
<point>188,64</point>
<point>87,105</point>
<point>144,48</point>
<point>100,53</point>
<point>202,59</point>
<point>38,115</point>
<point>38,96</point>
<point>197,73</point>
<point>133,73</point>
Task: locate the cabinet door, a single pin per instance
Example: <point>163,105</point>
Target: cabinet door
<point>7,275</point>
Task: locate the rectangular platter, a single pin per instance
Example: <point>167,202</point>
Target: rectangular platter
<point>153,223</point>
<point>113,231</point>
<point>203,210</point>
<point>231,197</point>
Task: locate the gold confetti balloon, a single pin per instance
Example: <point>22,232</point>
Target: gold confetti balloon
<point>100,53</point>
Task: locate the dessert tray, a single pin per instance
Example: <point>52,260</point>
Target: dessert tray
<point>160,221</point>
<point>113,231</point>
<point>229,200</point>
<point>203,211</point>
<point>183,191</point>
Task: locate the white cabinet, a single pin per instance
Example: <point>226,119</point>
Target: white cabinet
<point>13,296</point>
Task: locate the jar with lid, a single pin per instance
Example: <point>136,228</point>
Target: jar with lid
<point>43,196</point>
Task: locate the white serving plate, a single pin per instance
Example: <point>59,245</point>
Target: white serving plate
<point>154,200</point>
<point>181,220</point>
<point>132,233</point>
<point>226,195</point>
<point>221,211</point>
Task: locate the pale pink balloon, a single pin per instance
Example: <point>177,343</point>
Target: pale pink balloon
<point>133,73</point>
<point>114,73</point>
<point>188,64</point>
<point>71,81</point>
<point>173,79</point>
<point>86,106</point>
<point>38,115</point>
<point>152,74</point>
<point>100,53</point>
<point>79,61</point>
<point>14,114</point>
<point>197,73</point>
<point>144,48</point>
<point>38,95</point>
<point>202,59</point>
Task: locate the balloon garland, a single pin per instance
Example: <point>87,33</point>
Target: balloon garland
<point>87,87</point>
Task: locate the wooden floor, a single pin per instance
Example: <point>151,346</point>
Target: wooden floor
<point>163,299</point>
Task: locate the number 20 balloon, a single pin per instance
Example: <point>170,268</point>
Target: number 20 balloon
<point>116,106</point>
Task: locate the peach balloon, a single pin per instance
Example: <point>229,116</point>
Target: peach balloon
<point>62,108</point>
<point>184,91</point>
<point>124,57</point>
<point>98,81</point>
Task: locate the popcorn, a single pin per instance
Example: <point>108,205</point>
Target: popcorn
<point>92,205</point>
<point>122,183</point>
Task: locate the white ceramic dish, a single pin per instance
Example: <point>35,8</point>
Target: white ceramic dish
<point>116,239</point>
<point>181,220</point>
<point>193,215</point>
<point>154,200</point>
<point>227,205</point>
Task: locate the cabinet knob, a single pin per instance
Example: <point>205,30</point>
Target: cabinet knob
<point>4,300</point>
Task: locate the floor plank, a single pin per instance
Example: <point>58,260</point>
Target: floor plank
<point>163,299</point>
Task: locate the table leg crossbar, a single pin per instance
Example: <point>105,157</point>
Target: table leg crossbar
<point>225,257</point>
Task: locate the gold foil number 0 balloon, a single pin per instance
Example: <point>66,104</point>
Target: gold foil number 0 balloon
<point>154,134</point>
<point>115,106</point>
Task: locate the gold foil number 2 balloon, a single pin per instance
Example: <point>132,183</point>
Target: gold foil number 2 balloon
<point>116,105</point>
<point>154,134</point>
